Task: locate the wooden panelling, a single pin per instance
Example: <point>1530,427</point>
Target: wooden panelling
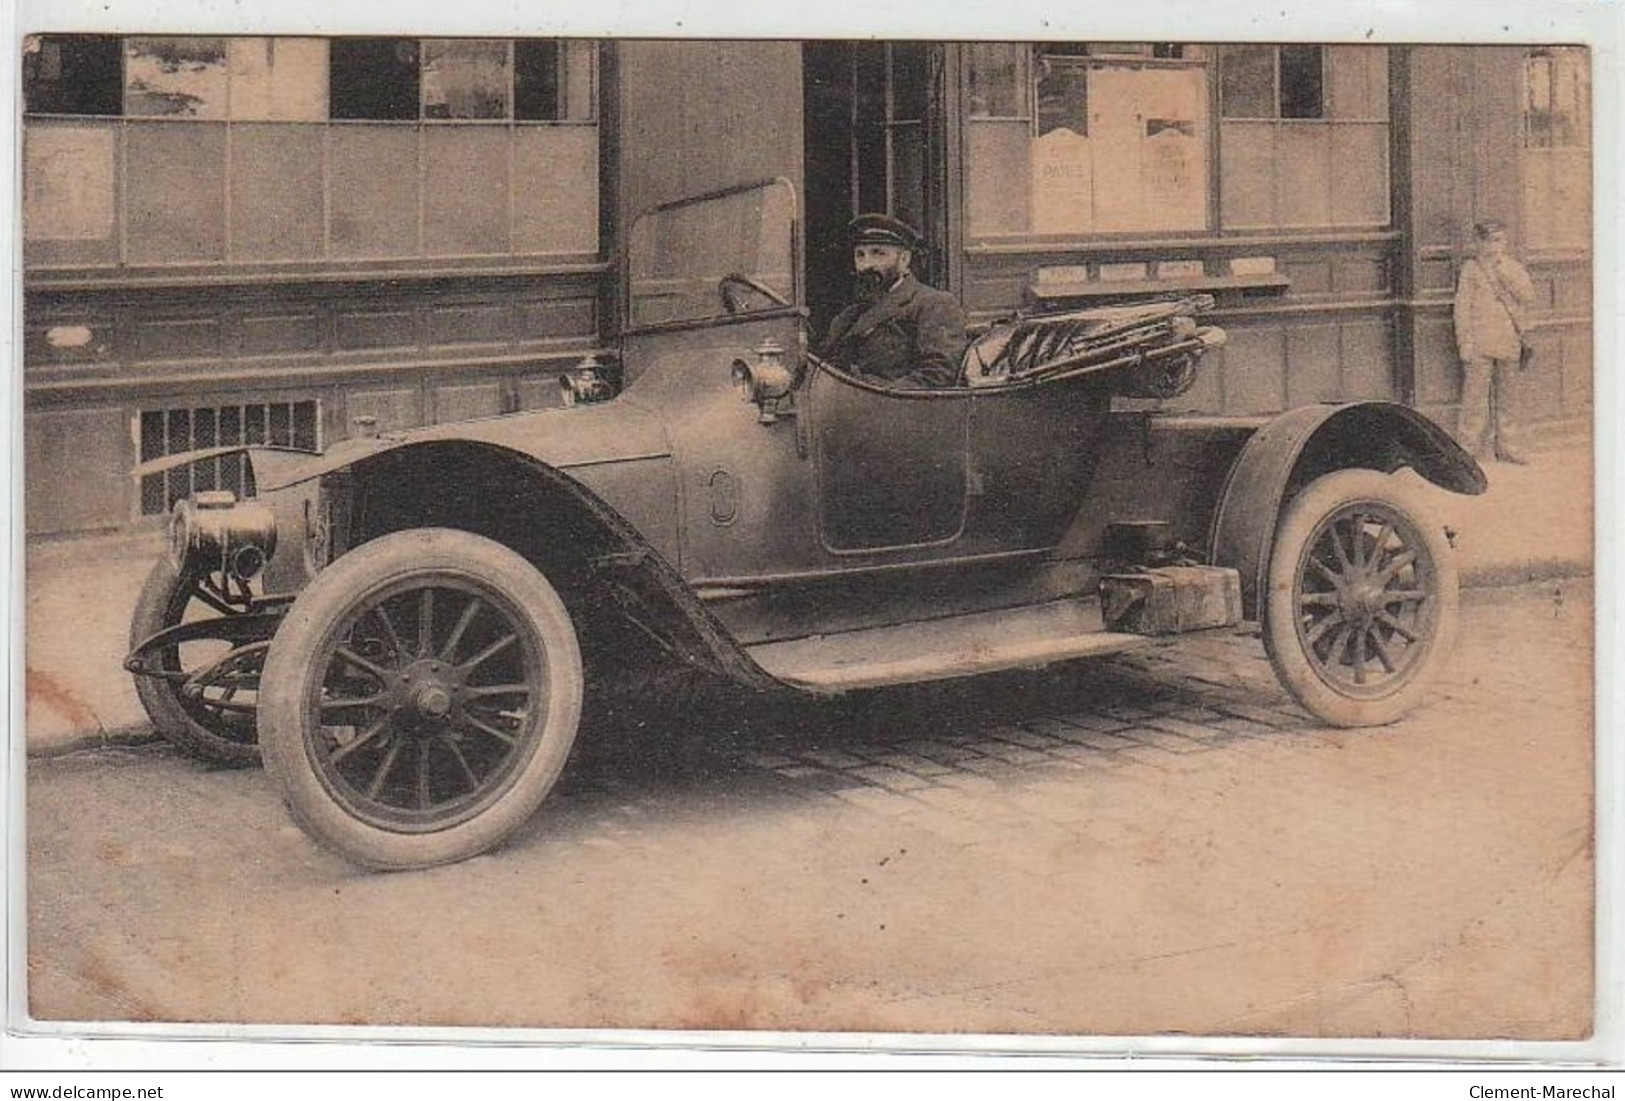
<point>540,391</point>
<point>466,324</point>
<point>1254,369</point>
<point>177,338</point>
<point>1206,394</point>
<point>67,340</point>
<point>1366,354</point>
<point>1309,276</point>
<point>376,329</point>
<point>74,473</point>
<point>1312,365</point>
<point>554,319</point>
<point>394,407</point>
<point>1438,370</point>
<point>280,334</point>
<point>1438,275</point>
<point>1576,381</point>
<point>463,402</point>
<point>1362,276</point>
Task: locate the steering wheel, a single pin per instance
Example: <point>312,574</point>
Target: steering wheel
<point>731,285</point>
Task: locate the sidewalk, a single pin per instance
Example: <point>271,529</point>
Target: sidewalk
<point>1534,523</point>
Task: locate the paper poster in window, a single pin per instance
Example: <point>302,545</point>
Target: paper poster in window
<point>68,187</point>
<point>1063,183</point>
<point>1173,164</point>
<point>1171,175</point>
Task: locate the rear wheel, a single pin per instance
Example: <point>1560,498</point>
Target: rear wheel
<point>420,699</point>
<point>1361,605</point>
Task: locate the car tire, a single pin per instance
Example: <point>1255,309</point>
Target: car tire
<point>420,699</point>
<point>1361,603</point>
<point>226,738</point>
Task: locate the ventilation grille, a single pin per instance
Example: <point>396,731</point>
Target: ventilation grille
<point>161,432</point>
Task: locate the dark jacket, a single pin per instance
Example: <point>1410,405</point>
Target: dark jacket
<point>912,336</point>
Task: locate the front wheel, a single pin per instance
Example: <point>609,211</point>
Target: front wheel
<point>420,699</point>
<point>214,722</point>
<point>1360,609</point>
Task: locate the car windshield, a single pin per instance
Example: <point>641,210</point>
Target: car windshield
<point>681,253</point>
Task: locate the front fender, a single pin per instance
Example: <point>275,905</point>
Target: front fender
<point>1302,444</point>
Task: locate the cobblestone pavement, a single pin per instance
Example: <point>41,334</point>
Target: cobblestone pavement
<point>957,760</point>
<point>1157,842</point>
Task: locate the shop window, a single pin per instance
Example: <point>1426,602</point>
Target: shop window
<point>1556,158</point>
<point>1303,136</point>
<point>252,149</point>
<point>79,74</point>
<point>1087,138</point>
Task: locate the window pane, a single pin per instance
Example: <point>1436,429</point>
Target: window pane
<point>280,79</point>
<point>176,207</point>
<point>555,200</point>
<point>578,84</point>
<point>1357,82</point>
<point>1360,181</point>
<point>181,77</point>
<point>536,79</point>
<point>73,75</point>
<point>1063,95</point>
<point>1557,109</point>
<point>276,192</point>
<point>910,77</point>
<point>69,181</point>
<point>998,177</point>
<point>465,79</point>
<point>1305,175</point>
<point>373,192</point>
<point>1247,175</point>
<point>1247,82</point>
<point>997,83</point>
<point>465,190</point>
<point>374,78</point>
<point>1302,84</point>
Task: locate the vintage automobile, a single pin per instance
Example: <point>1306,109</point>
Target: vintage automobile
<point>407,625</point>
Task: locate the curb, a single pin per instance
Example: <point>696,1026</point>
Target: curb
<point>1499,575</point>
<point>1490,576</point>
<point>130,735</point>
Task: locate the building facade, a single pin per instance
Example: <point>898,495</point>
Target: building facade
<point>250,239</point>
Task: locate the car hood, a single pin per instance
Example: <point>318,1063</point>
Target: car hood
<point>587,435</point>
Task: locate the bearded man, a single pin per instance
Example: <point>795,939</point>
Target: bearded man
<point>899,332</point>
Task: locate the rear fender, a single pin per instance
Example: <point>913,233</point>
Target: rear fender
<point>1301,445</point>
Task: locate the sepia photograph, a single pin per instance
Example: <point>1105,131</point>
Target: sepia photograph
<point>1032,540</point>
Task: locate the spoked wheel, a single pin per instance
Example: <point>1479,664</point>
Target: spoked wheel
<point>1362,600</point>
<point>201,693</point>
<point>421,699</point>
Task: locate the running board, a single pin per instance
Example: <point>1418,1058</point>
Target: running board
<point>939,649</point>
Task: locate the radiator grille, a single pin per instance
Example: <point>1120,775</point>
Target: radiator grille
<point>161,432</point>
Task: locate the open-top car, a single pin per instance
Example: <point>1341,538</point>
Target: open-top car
<point>406,626</point>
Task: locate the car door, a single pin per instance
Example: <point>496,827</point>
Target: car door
<point>891,465</point>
